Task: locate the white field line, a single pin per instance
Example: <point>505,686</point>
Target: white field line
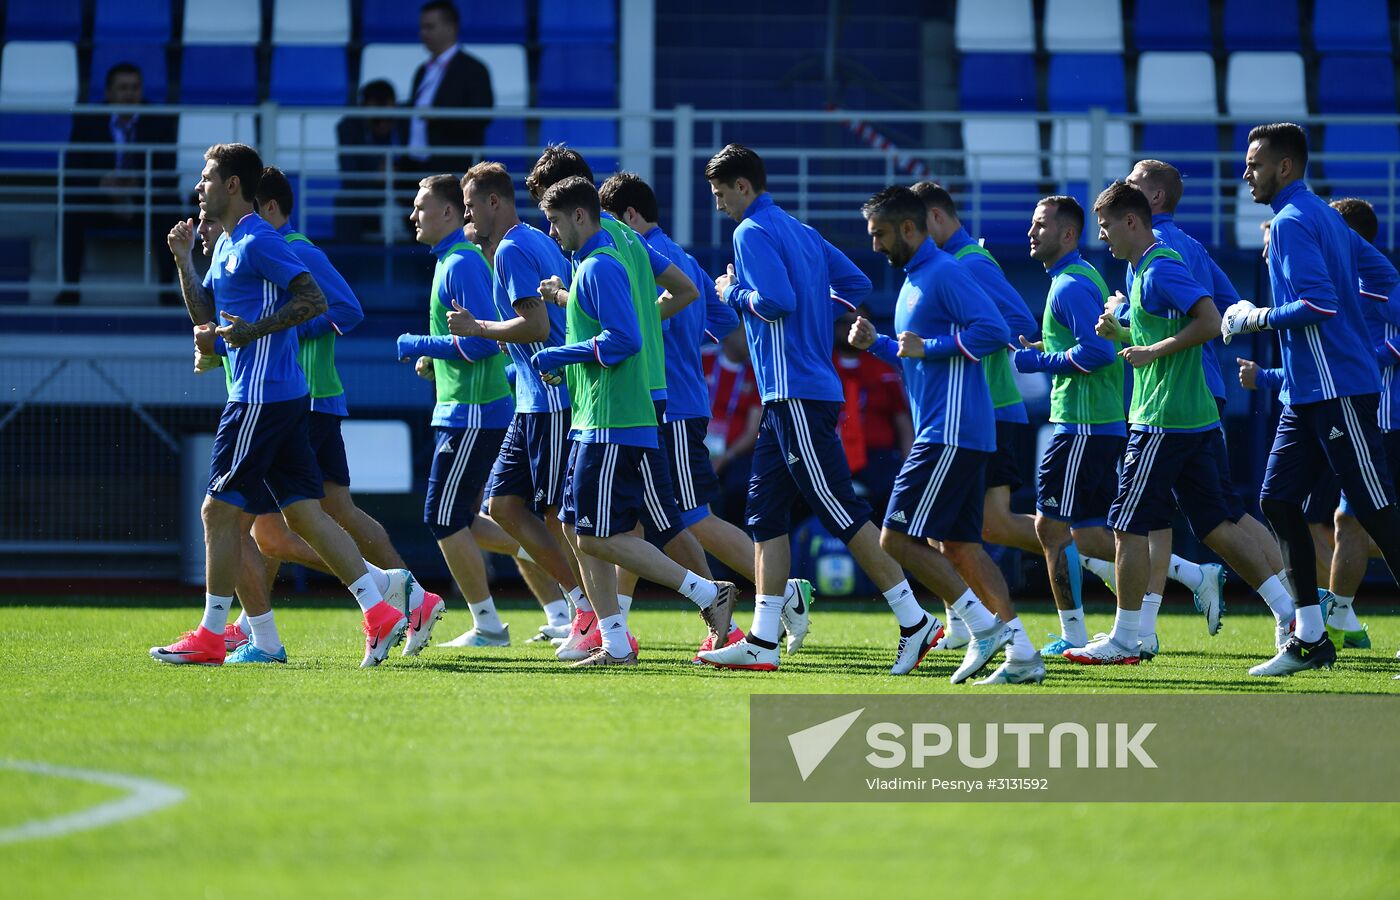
<point>146,796</point>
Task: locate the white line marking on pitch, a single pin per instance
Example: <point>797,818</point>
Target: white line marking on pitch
<point>146,796</point>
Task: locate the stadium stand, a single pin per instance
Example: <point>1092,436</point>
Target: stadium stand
<point>570,22</point>
<point>148,57</point>
<point>44,20</point>
<point>1182,25</point>
<point>322,22</point>
<point>222,22</point>
<point>137,21</point>
<point>992,26</point>
<point>309,76</point>
<point>998,82</point>
<point>1083,26</point>
<point>36,72</point>
<point>219,74</point>
<point>1351,26</point>
<point>1261,25</point>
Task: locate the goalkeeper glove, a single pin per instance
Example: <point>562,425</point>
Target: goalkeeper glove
<point>1243,318</point>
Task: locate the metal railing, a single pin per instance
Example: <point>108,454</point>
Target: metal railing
<point>822,184</point>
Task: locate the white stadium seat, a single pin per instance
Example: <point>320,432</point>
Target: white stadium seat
<point>1248,217</point>
<point>984,26</point>
<point>396,63</point>
<point>302,23</point>
<point>223,21</point>
<point>1084,26</point>
<point>198,131</point>
<point>1266,85</point>
<point>1175,84</point>
<point>39,72</point>
<point>306,143</point>
<point>1069,148</point>
<point>1002,149</point>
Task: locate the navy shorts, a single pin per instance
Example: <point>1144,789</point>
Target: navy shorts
<point>1004,468</point>
<point>262,456</point>
<point>534,459</point>
<point>1079,478</point>
<point>798,455</point>
<point>461,462</point>
<point>1323,500</point>
<point>329,447</point>
<point>691,473</point>
<point>1391,440</point>
<point>1161,467</point>
<point>1341,435</point>
<point>940,493</point>
<point>611,488</point>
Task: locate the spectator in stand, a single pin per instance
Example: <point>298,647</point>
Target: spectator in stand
<point>365,171</point>
<point>115,178</point>
<point>451,78</point>
<point>875,427</point>
<point>735,413</point>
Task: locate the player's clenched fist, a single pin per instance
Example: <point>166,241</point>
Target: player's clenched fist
<point>552,291</point>
<point>462,323</point>
<point>911,346</point>
<point>1249,373</point>
<point>181,239</point>
<point>862,333</point>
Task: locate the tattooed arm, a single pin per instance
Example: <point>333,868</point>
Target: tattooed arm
<point>306,303</point>
<point>199,302</point>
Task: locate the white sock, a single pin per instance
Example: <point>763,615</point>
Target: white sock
<point>366,592</point>
<point>1308,624</point>
<point>484,615</point>
<point>580,602</point>
<point>1101,568</point>
<point>242,623</point>
<point>624,605</point>
<point>767,617</point>
<point>1343,616</point>
<point>216,613</point>
<point>1125,629</point>
<point>978,618</point>
<point>1151,605</point>
<point>1276,595</point>
<point>956,626</point>
<point>1019,648</point>
<point>1186,572</point>
<point>522,553</point>
<point>1072,627</point>
<point>556,612</point>
<point>614,632</point>
<point>264,634</point>
<point>905,605</point>
<point>701,591</point>
<point>381,577</point>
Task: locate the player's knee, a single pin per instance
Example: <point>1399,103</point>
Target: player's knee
<point>960,553</point>
<point>895,543</point>
<point>218,515</point>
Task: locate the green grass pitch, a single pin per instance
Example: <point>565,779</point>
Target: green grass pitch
<point>496,774</point>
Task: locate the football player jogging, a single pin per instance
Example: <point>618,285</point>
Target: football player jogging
<point>1003,476</point>
<point>784,283</point>
<point>474,404</point>
<point>261,291</point>
<point>687,418</point>
<point>1172,418</point>
<point>1078,473</point>
<point>1161,184</point>
<point>616,456</point>
<point>945,324</point>
<point>1331,383</point>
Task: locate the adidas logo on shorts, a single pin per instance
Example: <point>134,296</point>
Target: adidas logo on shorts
<point>1052,503</point>
<point>539,495</point>
<point>792,459</point>
<point>1334,434</point>
<point>446,446</point>
<point>585,523</point>
<point>898,516</point>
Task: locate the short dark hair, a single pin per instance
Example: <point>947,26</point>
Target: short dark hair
<point>1287,140</point>
<point>556,162</point>
<point>273,185</point>
<point>237,161</point>
<point>896,204</point>
<point>1164,177</point>
<point>627,189</point>
<point>1360,216</point>
<point>491,177</point>
<point>123,68</point>
<point>935,196</point>
<point>446,7</point>
<point>574,192</point>
<point>1120,199</point>
<point>445,187</point>
<point>380,90</point>
<point>736,161</point>
<point>1067,211</point>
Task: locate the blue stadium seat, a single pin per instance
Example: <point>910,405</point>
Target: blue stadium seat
<point>44,20</point>
<point>1180,25</point>
<point>571,22</point>
<point>131,20</point>
<point>1351,26</point>
<point>388,21</point>
<point>1359,138</point>
<point>216,74</point>
<point>584,134</point>
<point>1361,83</point>
<point>495,21</point>
<point>578,75</point>
<point>1082,81</point>
<point>309,76</point>
<point>997,82</point>
<point>1168,142</point>
<point>149,58</point>
<point>1262,25</point>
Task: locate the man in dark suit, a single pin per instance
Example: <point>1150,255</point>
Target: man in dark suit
<point>451,78</point>
<point>110,183</point>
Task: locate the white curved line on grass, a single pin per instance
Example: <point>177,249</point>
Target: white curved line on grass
<point>146,796</point>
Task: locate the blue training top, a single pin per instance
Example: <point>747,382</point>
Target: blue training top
<point>525,257</point>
